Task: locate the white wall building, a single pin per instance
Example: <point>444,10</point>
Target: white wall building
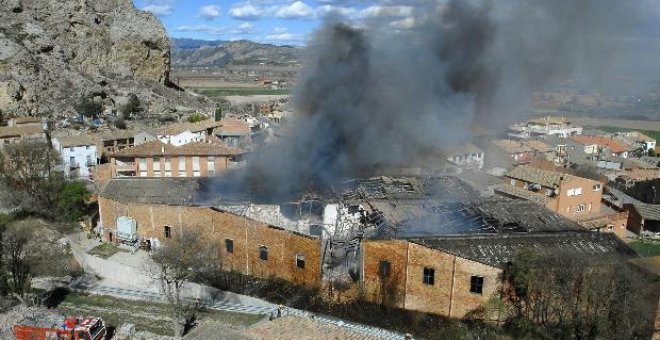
<point>467,156</point>
<point>78,154</point>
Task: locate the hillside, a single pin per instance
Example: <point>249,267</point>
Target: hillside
<point>54,52</point>
<point>189,52</point>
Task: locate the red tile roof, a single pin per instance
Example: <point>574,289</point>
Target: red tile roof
<point>234,126</point>
<point>157,148</point>
<point>609,143</point>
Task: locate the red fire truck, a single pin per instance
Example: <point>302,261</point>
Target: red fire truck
<point>53,327</point>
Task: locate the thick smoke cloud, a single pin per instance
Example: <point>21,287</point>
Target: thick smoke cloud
<point>378,97</point>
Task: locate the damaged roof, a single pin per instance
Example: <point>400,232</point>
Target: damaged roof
<point>489,216</point>
<point>497,250</point>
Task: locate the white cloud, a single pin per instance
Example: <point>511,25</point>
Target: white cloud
<point>159,7</point>
<point>296,10</point>
<point>388,11</point>
<point>246,11</point>
<point>209,12</point>
<point>245,28</point>
<point>159,10</point>
<point>278,30</point>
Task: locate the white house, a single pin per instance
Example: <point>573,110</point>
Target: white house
<point>547,126</point>
<point>184,133</point>
<point>467,156</point>
<point>78,153</point>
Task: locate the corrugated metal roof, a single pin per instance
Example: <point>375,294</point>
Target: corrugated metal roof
<point>497,250</point>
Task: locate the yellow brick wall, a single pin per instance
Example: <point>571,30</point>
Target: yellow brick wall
<point>216,226</point>
<point>449,295</point>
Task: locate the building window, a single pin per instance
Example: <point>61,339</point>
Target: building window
<point>156,164</point>
<point>263,253</point>
<point>143,164</point>
<point>513,182</point>
<point>168,173</point>
<point>143,174</point>
<point>182,166</point>
<point>597,187</point>
<point>71,149</point>
<point>167,230</point>
<point>156,173</point>
<point>229,246</point>
<point>476,284</point>
<point>210,165</point>
<point>168,164</point>
<point>196,169</point>
<point>580,208</point>
<point>574,192</point>
<point>384,268</point>
<point>300,261</point>
<point>429,276</point>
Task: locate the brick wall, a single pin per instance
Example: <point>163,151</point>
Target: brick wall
<point>449,295</point>
<point>567,205</point>
<point>221,164</point>
<point>217,226</point>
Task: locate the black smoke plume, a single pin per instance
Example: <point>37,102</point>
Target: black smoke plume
<point>378,97</point>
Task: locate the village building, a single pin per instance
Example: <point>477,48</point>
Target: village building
<point>429,245</point>
<point>546,126</point>
<point>157,159</point>
<point>234,132</point>
<point>644,219</point>
<point>114,140</point>
<point>565,194</point>
<point>637,140</point>
<point>158,208</point>
<point>79,155</point>
<point>17,133</point>
<point>24,121</point>
<point>601,147</point>
<point>467,156</point>
<point>183,133</point>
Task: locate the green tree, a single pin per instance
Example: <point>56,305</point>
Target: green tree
<point>218,114</point>
<point>131,107</point>
<point>71,201</point>
<point>196,118</point>
<point>88,107</point>
<point>652,152</point>
<point>2,119</point>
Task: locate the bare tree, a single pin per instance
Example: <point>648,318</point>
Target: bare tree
<point>564,296</point>
<point>31,171</point>
<point>182,259</point>
<point>30,249</point>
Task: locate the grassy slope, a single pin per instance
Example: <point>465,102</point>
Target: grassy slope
<point>147,316</point>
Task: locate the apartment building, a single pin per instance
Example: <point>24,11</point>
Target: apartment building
<point>568,195</point>
<point>157,159</point>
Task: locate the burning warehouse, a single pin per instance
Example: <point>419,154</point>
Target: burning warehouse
<point>430,245</point>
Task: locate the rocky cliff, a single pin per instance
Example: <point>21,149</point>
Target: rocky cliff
<point>52,52</point>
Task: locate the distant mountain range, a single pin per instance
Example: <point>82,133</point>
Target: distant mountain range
<point>193,52</point>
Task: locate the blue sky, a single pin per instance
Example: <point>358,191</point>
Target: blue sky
<point>272,21</point>
<point>291,21</point>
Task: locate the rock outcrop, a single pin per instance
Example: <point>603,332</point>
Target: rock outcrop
<point>52,52</point>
